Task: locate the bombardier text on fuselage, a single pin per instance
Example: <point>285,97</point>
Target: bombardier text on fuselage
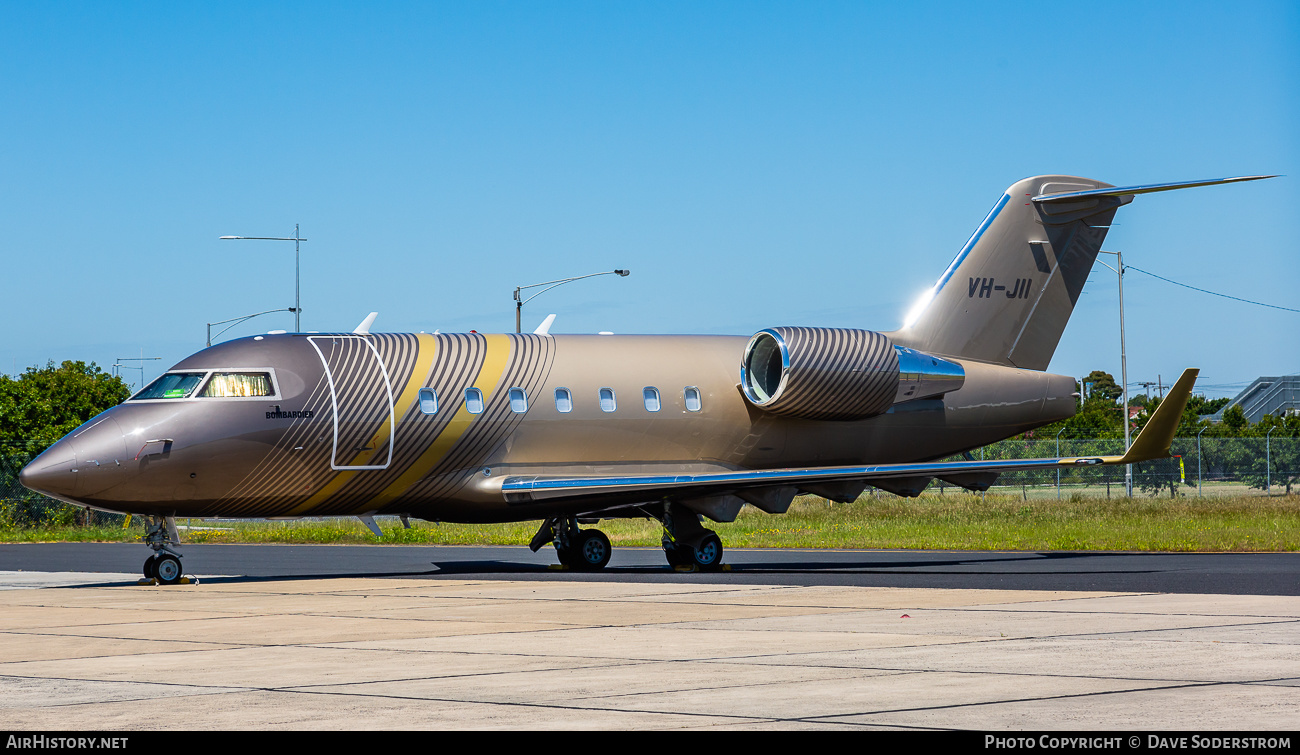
<point>569,429</point>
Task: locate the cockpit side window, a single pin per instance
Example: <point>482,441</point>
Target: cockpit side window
<point>171,385</point>
<point>238,385</point>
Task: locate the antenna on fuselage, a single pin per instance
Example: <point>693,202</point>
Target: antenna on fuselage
<point>545,328</point>
<point>364,328</point>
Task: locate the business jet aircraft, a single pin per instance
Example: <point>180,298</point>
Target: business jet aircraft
<point>571,429</point>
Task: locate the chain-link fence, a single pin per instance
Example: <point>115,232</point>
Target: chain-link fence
<point>20,507</point>
<point>1206,467</point>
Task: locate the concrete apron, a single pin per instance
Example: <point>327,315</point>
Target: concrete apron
<point>419,654</point>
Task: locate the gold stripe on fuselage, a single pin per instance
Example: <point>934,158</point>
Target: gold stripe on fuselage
<point>426,349</point>
<point>489,374</point>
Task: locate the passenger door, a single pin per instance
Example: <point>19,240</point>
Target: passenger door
<point>362,396</point>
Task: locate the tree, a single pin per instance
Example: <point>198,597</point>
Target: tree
<point>42,405</point>
<point>1102,385</point>
<point>1280,449</point>
<point>1204,406</point>
<point>36,409</point>
<point>1235,419</point>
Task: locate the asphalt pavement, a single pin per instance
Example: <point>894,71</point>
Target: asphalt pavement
<point>1191,573</point>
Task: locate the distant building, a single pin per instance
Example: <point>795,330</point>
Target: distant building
<point>1277,396</point>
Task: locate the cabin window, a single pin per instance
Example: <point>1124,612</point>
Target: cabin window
<point>692,395</point>
<point>172,385</point>
<point>518,400</point>
<point>474,401</point>
<point>238,385</point>
<point>607,402</point>
<point>563,400</point>
<point>428,401</point>
<point>651,396</point>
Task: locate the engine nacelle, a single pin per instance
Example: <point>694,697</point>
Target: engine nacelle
<point>838,373</point>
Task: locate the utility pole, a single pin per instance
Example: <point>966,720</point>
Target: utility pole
<point>297,269</point>
<point>1123,366</point>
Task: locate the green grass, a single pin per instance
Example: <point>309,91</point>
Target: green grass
<point>943,522</point>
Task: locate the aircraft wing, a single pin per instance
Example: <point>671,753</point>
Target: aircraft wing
<point>1152,443</point>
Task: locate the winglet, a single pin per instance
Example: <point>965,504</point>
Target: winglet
<point>1154,440</point>
<point>364,328</point>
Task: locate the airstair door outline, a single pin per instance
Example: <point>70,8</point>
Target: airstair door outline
<point>362,397</point>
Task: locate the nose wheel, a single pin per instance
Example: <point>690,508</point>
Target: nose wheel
<point>164,565</point>
<point>165,568</point>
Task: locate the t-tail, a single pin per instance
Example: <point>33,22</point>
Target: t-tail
<point>1007,296</point>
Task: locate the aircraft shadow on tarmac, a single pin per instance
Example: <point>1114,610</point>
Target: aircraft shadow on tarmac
<point>966,565</point>
<point>839,563</point>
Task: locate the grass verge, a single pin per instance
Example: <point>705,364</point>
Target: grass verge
<point>939,522</point>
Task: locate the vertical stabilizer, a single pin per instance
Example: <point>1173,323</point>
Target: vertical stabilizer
<point>1007,296</point>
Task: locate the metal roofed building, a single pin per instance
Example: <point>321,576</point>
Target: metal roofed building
<point>1277,396</point>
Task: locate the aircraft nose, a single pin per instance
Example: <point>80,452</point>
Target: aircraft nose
<point>54,472</point>
<point>83,463</point>
<point>101,455</point>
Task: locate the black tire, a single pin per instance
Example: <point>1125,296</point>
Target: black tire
<point>677,556</point>
<point>151,567</point>
<point>708,556</point>
<point>592,550</point>
<point>168,569</point>
<point>565,555</point>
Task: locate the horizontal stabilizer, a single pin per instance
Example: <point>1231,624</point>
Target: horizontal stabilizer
<point>1128,191</point>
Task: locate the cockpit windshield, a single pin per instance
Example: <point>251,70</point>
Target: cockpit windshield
<point>172,385</point>
<point>238,384</point>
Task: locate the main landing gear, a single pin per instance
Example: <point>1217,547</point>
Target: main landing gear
<point>165,563</point>
<point>687,543</point>
<point>585,550</point>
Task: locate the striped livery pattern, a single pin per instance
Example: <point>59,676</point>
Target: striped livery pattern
<point>836,374</point>
<point>430,453</point>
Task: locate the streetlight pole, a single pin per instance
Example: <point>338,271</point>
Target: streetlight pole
<point>119,366</point>
<point>1123,366</point>
<point>297,269</point>
<point>520,302</point>
<point>1058,467</point>
<point>1198,460</point>
<point>236,320</point>
<point>1268,461</point>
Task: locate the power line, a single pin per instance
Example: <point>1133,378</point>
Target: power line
<point>1215,293</point>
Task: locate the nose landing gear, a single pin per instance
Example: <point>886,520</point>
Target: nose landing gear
<point>165,564</point>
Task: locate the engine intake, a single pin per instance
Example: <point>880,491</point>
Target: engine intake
<point>820,373</point>
<point>838,373</point>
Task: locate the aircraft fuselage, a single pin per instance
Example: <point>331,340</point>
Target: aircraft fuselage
<point>350,427</point>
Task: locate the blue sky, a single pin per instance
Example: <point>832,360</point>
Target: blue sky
<point>753,164</point>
